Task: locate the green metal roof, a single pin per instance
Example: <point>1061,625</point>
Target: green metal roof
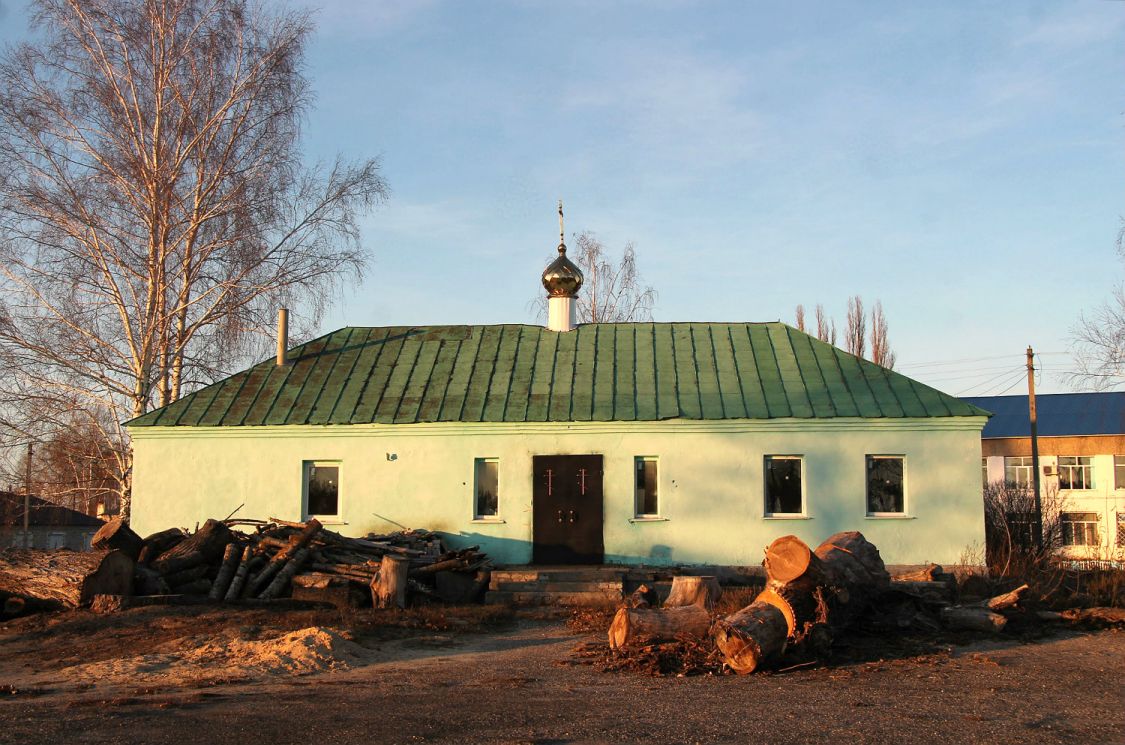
<point>598,372</point>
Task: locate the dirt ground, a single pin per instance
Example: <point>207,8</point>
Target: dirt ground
<point>199,675</point>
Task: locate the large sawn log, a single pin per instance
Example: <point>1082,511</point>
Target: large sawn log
<point>63,579</point>
<point>631,624</point>
<point>205,546</point>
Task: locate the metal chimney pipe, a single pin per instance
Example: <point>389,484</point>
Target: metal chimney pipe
<point>282,337</point>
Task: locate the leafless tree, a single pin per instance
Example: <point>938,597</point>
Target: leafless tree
<point>855,327</point>
<point>825,328</point>
<point>1099,345</point>
<point>1099,340</point>
<point>800,317</point>
<point>881,353</point>
<point>612,291</point>
<point>1018,538</point>
<point>154,206</point>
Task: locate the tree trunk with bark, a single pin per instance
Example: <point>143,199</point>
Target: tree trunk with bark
<point>632,624</point>
<point>388,589</point>
<point>116,534</point>
<point>205,546</point>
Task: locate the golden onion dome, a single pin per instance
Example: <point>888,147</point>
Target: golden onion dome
<point>562,278</point>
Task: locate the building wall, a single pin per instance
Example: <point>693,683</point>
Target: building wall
<point>710,473</point>
<point>74,538</point>
<point>1106,500</point>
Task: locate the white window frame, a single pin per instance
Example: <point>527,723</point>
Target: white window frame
<point>1118,483</point>
<point>867,485</point>
<point>1020,468</point>
<point>305,466</point>
<point>638,514</point>
<point>477,517</point>
<point>766,511</point>
<point>1091,482</point>
<point>1095,522</point>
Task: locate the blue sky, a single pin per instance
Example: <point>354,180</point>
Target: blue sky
<point>961,162</point>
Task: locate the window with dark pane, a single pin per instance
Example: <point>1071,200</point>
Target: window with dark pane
<point>1119,471</point>
<point>1080,528</point>
<point>1076,472</point>
<point>783,485</point>
<point>885,484</point>
<point>647,500</point>
<point>487,487</point>
<point>322,485</point>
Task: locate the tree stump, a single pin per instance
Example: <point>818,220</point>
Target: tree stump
<point>388,588</point>
<point>687,590</point>
<point>631,624</point>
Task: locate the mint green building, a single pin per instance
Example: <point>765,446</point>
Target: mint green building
<point>658,443</point>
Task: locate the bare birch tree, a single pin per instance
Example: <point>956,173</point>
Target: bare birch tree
<point>154,206</point>
<point>855,327</point>
<point>881,353</point>
<point>1098,346</point>
<point>800,314</point>
<point>613,291</point>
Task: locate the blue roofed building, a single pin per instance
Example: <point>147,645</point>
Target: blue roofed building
<point>1081,454</point>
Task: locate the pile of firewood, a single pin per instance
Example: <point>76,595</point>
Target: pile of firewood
<point>268,559</point>
<point>811,597</point>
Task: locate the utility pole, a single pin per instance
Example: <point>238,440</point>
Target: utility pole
<point>1034,446</point>
<point>27,498</point>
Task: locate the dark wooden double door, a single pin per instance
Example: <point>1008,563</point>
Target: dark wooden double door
<point>567,509</point>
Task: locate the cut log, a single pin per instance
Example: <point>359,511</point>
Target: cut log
<point>61,578</point>
<point>388,589</point>
<point>231,557</point>
<point>925,590</point>
<point>312,527</point>
<point>864,551</point>
<point>689,590</point>
<point>285,574</point>
<point>234,592</point>
<point>633,624</point>
<point>197,587</point>
<point>788,558</point>
<point>804,611</point>
<point>148,581</point>
<point>753,637</point>
<point>158,543</point>
<point>642,597</point>
<point>1007,600</point>
<point>961,618</point>
<point>205,546</point>
<point>186,576</point>
<point>116,534</point>
<point>928,573</point>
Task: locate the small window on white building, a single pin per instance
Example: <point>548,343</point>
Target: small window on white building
<point>1080,529</point>
<point>322,488</point>
<point>784,486</point>
<point>486,478</point>
<point>886,482</point>
<point>1076,472</point>
<point>646,494</point>
<point>1121,529</point>
<point>56,540</point>
<point>1119,471</point>
<point>984,471</point>
<point>1017,470</point>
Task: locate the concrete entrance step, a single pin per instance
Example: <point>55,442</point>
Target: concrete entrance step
<point>569,585</point>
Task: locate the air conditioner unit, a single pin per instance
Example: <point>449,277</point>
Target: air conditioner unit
<point>1048,470</point>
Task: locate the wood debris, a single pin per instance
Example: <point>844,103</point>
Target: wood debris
<point>259,560</point>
